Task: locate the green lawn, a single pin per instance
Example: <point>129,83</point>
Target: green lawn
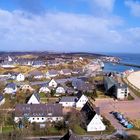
<point>78,130</point>
<point>7,129</point>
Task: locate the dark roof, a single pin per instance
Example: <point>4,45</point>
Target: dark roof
<point>70,136</point>
<point>88,112</point>
<point>1,97</point>
<point>79,94</point>
<point>38,110</point>
<point>11,85</point>
<point>53,72</point>
<point>35,73</point>
<point>68,99</point>
<point>109,82</point>
<point>37,62</point>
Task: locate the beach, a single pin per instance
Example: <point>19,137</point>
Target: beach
<point>134,79</point>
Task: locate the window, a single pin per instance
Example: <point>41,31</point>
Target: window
<point>37,118</point>
<point>42,118</point>
<point>33,118</point>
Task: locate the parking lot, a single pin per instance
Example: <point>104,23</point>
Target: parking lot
<point>129,109</point>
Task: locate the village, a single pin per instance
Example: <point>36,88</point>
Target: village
<point>50,95</point>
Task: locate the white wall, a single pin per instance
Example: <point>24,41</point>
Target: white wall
<point>81,102</point>
<point>33,100</point>
<point>40,119</point>
<point>96,124</point>
<point>67,104</point>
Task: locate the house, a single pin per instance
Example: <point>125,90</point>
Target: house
<point>60,90</point>
<point>52,83</point>
<point>38,113</point>
<point>38,64</point>
<point>34,99</point>
<point>36,74</point>
<point>44,89</point>
<point>77,82</point>
<point>65,72</point>
<point>113,88</point>
<point>20,77</point>
<point>52,73</point>
<point>11,88</point>
<point>26,87</point>
<point>81,85</point>
<point>92,118</point>
<point>8,64</point>
<point>68,101</point>
<point>71,136</point>
<point>81,100</point>
<point>2,99</point>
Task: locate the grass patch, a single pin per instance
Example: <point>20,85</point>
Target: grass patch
<point>7,129</point>
<point>44,100</point>
<point>130,97</point>
<point>42,95</point>
<point>78,129</point>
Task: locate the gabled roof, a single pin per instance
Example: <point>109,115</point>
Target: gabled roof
<point>35,73</point>
<point>53,72</point>
<point>109,82</point>
<point>11,85</point>
<point>89,112</point>
<point>38,110</point>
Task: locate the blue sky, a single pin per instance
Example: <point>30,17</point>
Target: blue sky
<point>75,25</point>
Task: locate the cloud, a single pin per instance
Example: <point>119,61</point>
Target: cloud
<point>59,31</point>
<point>134,7</point>
<point>102,7</point>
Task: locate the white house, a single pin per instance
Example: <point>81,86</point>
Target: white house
<point>60,90</point>
<point>11,88</point>
<point>44,89</point>
<point>26,87</point>
<point>20,77</point>
<point>52,74</point>
<point>113,88</point>
<point>34,99</point>
<point>96,124</point>
<point>2,99</point>
<point>121,91</point>
<point>52,83</point>
<point>81,100</point>
<point>39,113</point>
<point>92,118</point>
<point>65,72</point>
<point>68,101</point>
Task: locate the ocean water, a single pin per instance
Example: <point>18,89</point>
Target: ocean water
<point>125,57</point>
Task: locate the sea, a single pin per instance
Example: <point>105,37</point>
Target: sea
<point>126,58</point>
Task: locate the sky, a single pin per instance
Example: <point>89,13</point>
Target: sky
<point>70,25</point>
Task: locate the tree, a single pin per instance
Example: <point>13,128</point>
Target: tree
<point>52,92</point>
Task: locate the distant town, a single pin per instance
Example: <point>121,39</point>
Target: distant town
<point>66,96</point>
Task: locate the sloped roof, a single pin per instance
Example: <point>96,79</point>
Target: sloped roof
<point>11,85</point>
<point>68,99</point>
<point>37,96</point>
<point>38,110</point>
<point>88,112</point>
<point>109,82</point>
